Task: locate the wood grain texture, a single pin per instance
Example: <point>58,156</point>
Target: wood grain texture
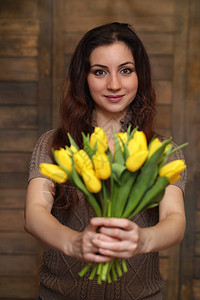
<point>14,162</point>
<point>17,140</point>
<point>18,243</point>
<point>197,245</point>
<point>12,264</point>
<point>19,26</point>
<point>18,46</point>
<point>167,24</point>
<point>18,287</point>
<point>12,198</point>
<point>196,288</point>
<point>18,93</point>
<point>191,125</point>
<point>13,180</point>
<point>103,7</point>
<point>163,92</point>
<point>18,9</point>
<point>12,220</point>
<point>162,67</point>
<point>18,69</point>
<point>163,118</point>
<point>18,117</point>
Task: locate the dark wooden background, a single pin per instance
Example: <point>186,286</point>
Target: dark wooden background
<point>36,41</point>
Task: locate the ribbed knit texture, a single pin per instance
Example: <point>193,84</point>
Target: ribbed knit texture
<point>59,279</point>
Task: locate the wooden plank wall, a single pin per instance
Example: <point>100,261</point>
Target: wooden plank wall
<point>24,70</point>
<point>37,39</point>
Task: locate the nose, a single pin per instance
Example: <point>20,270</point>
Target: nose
<point>114,82</point>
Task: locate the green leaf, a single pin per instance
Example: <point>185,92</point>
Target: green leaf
<point>119,156</point>
<point>117,170</point>
<point>154,194</point>
<point>72,142</point>
<point>121,192</point>
<point>87,146</point>
<point>145,179</point>
<point>132,133</point>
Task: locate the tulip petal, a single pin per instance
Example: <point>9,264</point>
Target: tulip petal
<point>122,137</point>
<point>63,158</point>
<point>81,161</point>
<point>172,170</point>
<point>137,143</point>
<point>54,172</point>
<point>92,183</point>
<point>99,137</point>
<point>101,165</point>
<point>135,161</point>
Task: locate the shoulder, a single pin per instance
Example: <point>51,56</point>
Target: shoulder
<point>47,137</point>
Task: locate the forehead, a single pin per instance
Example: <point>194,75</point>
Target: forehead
<point>117,52</point>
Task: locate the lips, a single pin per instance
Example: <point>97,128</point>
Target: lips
<point>114,98</point>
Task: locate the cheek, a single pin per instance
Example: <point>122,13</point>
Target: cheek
<point>133,86</point>
<point>95,86</point>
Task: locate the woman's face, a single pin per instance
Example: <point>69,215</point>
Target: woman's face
<point>112,79</point>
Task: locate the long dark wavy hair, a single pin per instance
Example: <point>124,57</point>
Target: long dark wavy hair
<point>77,104</point>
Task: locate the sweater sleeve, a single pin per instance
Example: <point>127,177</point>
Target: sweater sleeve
<point>41,154</point>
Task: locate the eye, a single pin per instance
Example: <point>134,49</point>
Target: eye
<point>126,71</point>
<point>99,72</point>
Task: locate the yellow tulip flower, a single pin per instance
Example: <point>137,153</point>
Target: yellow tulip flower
<point>155,144</point>
<point>92,183</point>
<point>137,143</point>
<point>99,137</point>
<point>124,137</point>
<point>172,170</point>
<point>54,172</point>
<point>136,160</point>
<point>101,165</point>
<point>64,159</point>
<point>82,160</point>
<point>72,148</point>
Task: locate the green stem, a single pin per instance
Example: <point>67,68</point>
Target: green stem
<point>114,275</point>
<point>118,268</point>
<point>84,270</point>
<point>109,208</point>
<point>99,269</point>
<point>93,273</point>
<point>99,279</point>
<point>105,271</point>
<point>124,266</point>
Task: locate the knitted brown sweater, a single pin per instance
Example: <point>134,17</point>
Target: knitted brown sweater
<point>59,279</point>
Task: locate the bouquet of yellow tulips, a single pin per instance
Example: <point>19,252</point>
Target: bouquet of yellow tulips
<point>118,185</point>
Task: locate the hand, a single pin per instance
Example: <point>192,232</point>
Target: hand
<point>117,237</point>
<point>90,252</point>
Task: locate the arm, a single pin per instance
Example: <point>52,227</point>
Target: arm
<point>171,227</point>
<point>45,227</point>
<point>133,240</point>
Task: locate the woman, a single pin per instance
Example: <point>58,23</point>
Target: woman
<point>109,85</point>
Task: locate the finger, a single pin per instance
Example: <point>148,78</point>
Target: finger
<point>120,234</point>
<point>113,222</point>
<point>113,254</point>
<point>97,258</point>
<point>105,237</point>
<point>115,246</point>
<point>123,250</point>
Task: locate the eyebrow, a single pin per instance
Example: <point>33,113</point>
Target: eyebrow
<point>121,65</point>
